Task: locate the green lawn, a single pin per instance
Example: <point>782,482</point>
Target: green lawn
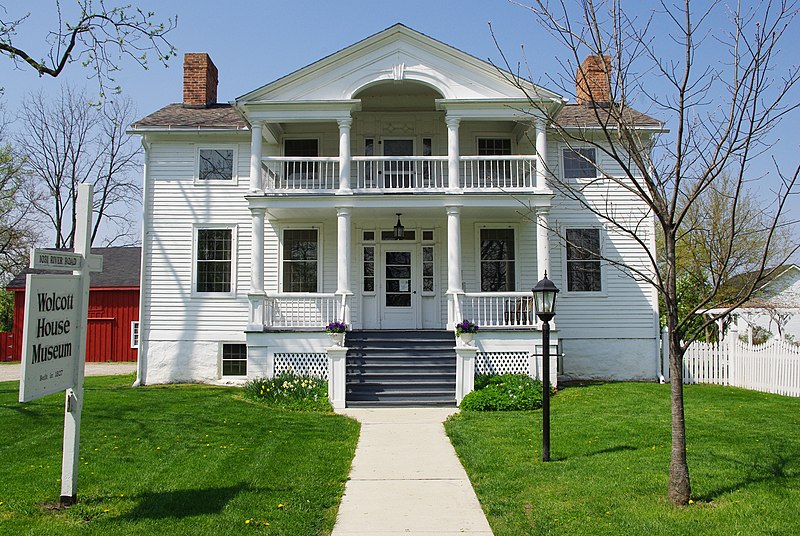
<point>188,459</point>
<point>610,451</point>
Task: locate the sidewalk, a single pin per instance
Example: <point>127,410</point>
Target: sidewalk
<point>406,478</point>
<point>10,371</point>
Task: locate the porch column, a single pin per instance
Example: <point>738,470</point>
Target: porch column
<point>452,154</point>
<point>454,289</point>
<point>256,183</point>
<point>542,243</point>
<point>344,156</point>
<point>343,261</point>
<point>541,153</point>
<point>257,317</point>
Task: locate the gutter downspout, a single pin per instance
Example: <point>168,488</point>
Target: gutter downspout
<point>141,359</point>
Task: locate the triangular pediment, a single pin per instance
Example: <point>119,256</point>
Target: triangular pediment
<point>396,54</point>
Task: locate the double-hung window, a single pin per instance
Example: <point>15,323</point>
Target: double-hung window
<point>215,164</point>
<point>583,260</point>
<point>498,265</point>
<point>580,163</point>
<point>496,172</point>
<point>300,260</point>
<point>234,360</point>
<point>214,257</point>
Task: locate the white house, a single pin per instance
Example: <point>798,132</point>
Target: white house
<point>399,185</point>
<point>774,306</point>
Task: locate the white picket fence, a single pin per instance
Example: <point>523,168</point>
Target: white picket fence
<point>773,367</point>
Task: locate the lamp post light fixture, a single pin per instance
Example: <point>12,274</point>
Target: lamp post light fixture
<point>399,230</point>
<point>544,301</point>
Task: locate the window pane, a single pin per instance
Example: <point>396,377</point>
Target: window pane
<point>216,164</point>
<point>494,146</point>
<point>300,148</point>
<point>234,360</point>
<point>300,254</point>
<point>579,163</point>
<point>214,260</point>
<point>583,260</point>
<point>498,272</point>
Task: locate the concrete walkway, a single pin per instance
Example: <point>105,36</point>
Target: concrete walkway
<point>406,478</point>
<point>10,371</point>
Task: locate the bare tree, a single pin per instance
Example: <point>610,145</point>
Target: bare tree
<point>68,142</point>
<point>98,37</point>
<point>719,96</point>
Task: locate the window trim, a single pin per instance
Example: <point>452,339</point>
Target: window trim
<point>234,180</point>
<point>603,292</point>
<point>564,147</point>
<point>135,334</point>
<point>219,361</point>
<point>234,228</point>
<point>320,254</point>
<point>496,225</point>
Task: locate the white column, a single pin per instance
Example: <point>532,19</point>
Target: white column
<point>465,371</point>
<point>337,375</point>
<point>452,154</point>
<point>257,317</point>
<point>541,154</point>
<point>542,243</point>
<point>344,156</point>
<point>343,259</point>
<point>454,289</point>
<point>256,184</point>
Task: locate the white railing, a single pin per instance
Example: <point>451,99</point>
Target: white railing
<point>301,173</point>
<point>498,172</point>
<point>302,310</point>
<point>400,172</point>
<point>773,367</point>
<point>507,310</point>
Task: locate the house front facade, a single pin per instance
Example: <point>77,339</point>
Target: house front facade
<point>399,186</point>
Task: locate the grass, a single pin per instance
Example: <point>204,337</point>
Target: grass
<point>188,459</point>
<point>610,449</point>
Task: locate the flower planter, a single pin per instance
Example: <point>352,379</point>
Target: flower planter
<point>337,339</point>
<point>467,339</point>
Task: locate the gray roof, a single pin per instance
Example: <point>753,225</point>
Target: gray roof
<point>225,116</point>
<point>588,116</point>
<point>181,117</point>
<point>121,268</point>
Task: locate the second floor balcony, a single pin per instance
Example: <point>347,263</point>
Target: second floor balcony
<point>398,174</point>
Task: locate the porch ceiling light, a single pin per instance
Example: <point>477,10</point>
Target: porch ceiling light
<point>399,230</point>
<point>544,299</point>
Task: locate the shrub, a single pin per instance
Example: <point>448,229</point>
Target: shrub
<point>290,391</point>
<point>505,392</point>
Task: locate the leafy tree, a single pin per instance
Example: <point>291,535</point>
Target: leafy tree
<point>720,98</point>
<point>98,37</point>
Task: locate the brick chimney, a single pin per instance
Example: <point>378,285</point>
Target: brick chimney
<point>200,78</point>
<point>593,80</point>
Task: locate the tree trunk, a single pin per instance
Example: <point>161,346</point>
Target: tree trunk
<point>680,489</point>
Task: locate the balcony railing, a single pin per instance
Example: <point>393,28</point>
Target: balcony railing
<point>301,173</point>
<point>498,172</point>
<point>511,310</point>
<point>399,173</point>
<point>302,310</point>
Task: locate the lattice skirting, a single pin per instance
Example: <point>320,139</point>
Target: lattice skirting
<point>307,364</point>
<point>502,363</point>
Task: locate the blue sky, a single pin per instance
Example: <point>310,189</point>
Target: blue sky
<point>255,42</point>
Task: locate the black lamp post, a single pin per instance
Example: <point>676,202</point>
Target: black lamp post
<point>544,299</point>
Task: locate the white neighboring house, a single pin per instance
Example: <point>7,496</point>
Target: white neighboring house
<point>269,217</point>
<point>774,306</point>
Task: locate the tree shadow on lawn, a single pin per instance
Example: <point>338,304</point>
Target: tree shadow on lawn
<point>774,467</point>
<point>183,502</point>
<point>558,457</point>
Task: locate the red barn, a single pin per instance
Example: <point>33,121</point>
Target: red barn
<point>113,330</point>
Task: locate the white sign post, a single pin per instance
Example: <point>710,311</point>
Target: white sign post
<point>54,340</point>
